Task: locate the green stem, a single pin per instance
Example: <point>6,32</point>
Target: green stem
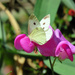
<point>51,66</point>
<point>9,72</point>
<point>54,61</point>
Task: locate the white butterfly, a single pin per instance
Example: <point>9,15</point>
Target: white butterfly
<point>39,32</point>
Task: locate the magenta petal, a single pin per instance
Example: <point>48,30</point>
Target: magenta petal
<point>27,45</point>
<point>72,47</point>
<point>17,41</point>
<point>62,38</point>
<point>59,35</point>
<point>63,51</point>
<point>48,49</point>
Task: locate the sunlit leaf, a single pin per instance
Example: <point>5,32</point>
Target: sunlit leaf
<point>44,7</point>
<point>72,35</point>
<point>73,42</point>
<point>65,68</point>
<point>69,3</point>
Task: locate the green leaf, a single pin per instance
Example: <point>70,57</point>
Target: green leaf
<point>4,16</point>
<point>72,35</point>
<point>73,42</point>
<point>69,18</point>
<point>23,53</point>
<point>1,58</point>
<point>45,7</point>
<point>0,31</point>
<point>69,3</point>
<point>65,68</point>
<point>0,28</point>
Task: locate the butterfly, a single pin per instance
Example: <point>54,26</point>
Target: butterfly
<point>39,32</point>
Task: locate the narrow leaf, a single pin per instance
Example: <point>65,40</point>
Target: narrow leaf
<point>45,7</point>
<point>69,3</point>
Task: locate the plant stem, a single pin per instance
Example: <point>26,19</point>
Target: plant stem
<point>54,61</point>
<point>51,66</point>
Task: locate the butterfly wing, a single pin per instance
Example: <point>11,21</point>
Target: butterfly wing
<point>48,34</point>
<point>33,23</point>
<point>38,35</point>
<point>42,34</point>
<point>45,22</point>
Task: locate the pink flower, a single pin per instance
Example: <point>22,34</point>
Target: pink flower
<point>23,42</point>
<point>64,48</point>
<point>57,46</point>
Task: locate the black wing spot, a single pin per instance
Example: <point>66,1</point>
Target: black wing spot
<point>34,23</point>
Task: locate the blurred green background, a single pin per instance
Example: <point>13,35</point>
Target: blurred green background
<point>14,21</point>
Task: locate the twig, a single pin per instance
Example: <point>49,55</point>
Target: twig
<point>11,19</point>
